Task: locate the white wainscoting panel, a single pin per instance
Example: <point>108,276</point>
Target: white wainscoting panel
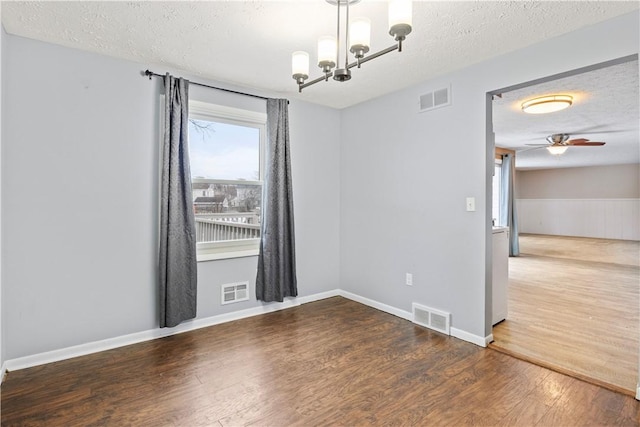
<point>599,218</point>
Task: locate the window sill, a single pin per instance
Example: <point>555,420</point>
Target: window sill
<point>227,255</point>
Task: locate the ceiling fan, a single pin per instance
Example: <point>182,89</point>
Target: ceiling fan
<point>559,142</point>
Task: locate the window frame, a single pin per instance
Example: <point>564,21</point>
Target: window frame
<point>207,251</point>
<point>497,167</point>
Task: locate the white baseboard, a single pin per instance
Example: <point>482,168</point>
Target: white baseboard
<point>488,340</point>
<point>407,315</point>
<point>469,337</point>
<point>318,297</point>
<point>121,341</point>
<point>638,392</point>
<point>378,305</point>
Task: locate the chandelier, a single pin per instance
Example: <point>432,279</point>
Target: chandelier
<point>357,36</point>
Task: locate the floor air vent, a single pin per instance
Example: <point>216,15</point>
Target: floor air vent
<point>436,99</point>
<point>235,292</point>
<point>431,318</point>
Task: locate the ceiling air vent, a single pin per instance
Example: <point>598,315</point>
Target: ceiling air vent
<point>432,318</point>
<point>436,99</point>
<point>235,292</point>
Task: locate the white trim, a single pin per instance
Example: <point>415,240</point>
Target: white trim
<point>3,372</point>
<point>121,341</point>
<point>407,315</point>
<point>638,392</point>
<point>469,337</point>
<point>224,181</point>
<point>225,249</point>
<point>206,110</point>
<point>138,337</point>
<point>488,340</point>
<point>202,257</point>
<point>318,297</point>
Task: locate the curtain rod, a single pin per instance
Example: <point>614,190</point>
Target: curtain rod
<point>152,74</point>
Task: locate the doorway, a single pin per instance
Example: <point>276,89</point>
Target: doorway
<point>573,291</point>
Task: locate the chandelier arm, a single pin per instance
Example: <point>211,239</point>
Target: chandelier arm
<point>314,81</point>
<point>373,56</point>
<point>351,65</point>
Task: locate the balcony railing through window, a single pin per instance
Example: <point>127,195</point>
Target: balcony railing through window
<point>216,227</point>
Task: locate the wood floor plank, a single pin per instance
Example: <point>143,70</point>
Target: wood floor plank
<point>329,363</point>
<point>574,306</point>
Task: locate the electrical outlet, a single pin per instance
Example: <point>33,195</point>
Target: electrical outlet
<point>409,279</point>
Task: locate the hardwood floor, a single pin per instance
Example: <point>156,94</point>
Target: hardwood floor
<point>574,306</point>
<point>331,362</point>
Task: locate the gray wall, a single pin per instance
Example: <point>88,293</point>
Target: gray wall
<point>379,191</point>
<point>405,176</point>
<point>597,182</point>
<point>79,197</point>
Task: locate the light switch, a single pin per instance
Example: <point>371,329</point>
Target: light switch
<point>471,204</point>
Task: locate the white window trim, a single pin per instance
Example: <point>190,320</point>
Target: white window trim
<point>211,251</point>
<point>228,249</point>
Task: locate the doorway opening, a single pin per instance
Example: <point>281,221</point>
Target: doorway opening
<point>572,294</point>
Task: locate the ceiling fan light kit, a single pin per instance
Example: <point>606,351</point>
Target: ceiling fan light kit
<point>547,104</point>
<point>557,150</point>
<point>357,40</point>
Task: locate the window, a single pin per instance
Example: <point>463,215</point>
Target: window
<point>497,184</point>
<point>226,150</point>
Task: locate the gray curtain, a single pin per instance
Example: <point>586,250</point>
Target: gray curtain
<point>277,259</point>
<point>178,263</point>
<point>508,215</point>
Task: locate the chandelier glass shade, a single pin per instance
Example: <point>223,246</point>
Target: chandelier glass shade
<point>356,39</point>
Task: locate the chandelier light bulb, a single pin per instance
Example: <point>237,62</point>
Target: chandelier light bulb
<point>400,18</point>
<point>360,36</point>
<point>327,53</point>
<point>300,65</point>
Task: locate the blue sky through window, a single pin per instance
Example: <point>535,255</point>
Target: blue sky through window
<point>224,151</point>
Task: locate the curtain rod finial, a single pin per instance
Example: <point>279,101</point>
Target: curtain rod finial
<point>148,73</point>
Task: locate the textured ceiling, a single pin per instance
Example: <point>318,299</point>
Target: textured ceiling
<point>249,43</point>
<point>605,109</point>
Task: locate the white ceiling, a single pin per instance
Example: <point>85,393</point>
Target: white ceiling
<point>605,108</point>
<point>249,43</point>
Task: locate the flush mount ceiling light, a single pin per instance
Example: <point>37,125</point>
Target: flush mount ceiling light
<point>547,104</point>
<point>357,36</point>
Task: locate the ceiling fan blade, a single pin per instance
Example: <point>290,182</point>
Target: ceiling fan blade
<point>588,144</point>
<point>524,150</point>
<point>583,142</point>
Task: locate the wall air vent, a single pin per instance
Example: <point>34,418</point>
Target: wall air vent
<point>431,318</point>
<point>234,292</point>
<point>436,99</point>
